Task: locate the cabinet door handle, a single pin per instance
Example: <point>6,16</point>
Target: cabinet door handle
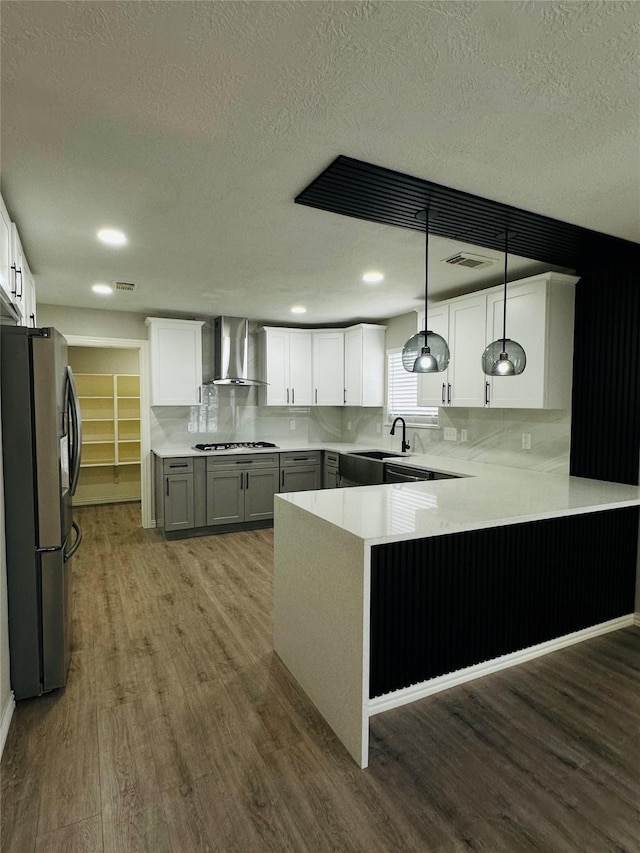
<point>449,394</point>
<point>247,486</point>
<point>282,479</point>
<point>167,487</point>
<point>241,480</point>
<point>316,396</point>
<point>486,393</point>
<point>293,396</point>
<point>199,394</point>
<point>287,396</point>
<point>33,318</point>
<point>15,280</point>
<point>344,396</point>
<point>19,295</point>
<point>443,387</point>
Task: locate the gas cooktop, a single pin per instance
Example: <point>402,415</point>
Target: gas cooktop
<point>232,445</point>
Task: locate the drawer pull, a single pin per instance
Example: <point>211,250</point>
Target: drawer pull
<point>179,465</point>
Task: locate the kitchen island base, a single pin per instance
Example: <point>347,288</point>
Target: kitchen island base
<point>364,627</point>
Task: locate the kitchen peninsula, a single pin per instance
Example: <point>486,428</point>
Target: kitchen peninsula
<point>386,594</point>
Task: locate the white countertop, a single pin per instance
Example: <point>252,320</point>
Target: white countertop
<point>485,496</point>
<point>283,446</point>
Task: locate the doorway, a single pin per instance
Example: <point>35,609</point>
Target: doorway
<point>112,380</point>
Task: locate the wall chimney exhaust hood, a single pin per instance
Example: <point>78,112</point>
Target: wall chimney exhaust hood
<point>231,352</point>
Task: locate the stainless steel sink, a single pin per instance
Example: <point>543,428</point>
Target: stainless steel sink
<point>363,468</point>
<point>374,454</point>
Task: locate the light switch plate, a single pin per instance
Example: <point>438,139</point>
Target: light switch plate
<point>450,434</point>
<point>526,441</point>
<point>292,424</point>
<point>463,435</point>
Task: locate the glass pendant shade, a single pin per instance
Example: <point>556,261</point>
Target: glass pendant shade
<point>504,358</point>
<point>425,352</point>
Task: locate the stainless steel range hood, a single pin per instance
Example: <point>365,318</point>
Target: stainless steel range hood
<point>231,352</point>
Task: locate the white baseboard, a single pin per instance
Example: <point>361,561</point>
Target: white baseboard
<point>469,673</point>
<point>7,716</point>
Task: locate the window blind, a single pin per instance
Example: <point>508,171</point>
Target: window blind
<point>402,394</point>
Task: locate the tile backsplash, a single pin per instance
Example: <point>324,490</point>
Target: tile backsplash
<point>493,435</point>
<point>233,414</point>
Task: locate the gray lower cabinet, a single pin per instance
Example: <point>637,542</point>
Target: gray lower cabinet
<point>330,475</point>
<point>241,488</point>
<point>300,471</point>
<point>178,481</point>
<point>178,502</point>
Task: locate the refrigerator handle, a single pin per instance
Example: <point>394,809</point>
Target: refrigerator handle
<point>69,554</point>
<point>73,407</point>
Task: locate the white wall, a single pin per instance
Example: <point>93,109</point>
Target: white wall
<point>93,322</point>
<point>6,696</point>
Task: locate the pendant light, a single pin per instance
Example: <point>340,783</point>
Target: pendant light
<point>426,351</point>
<point>504,357</point>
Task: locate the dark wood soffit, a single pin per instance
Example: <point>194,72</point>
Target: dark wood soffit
<point>364,191</point>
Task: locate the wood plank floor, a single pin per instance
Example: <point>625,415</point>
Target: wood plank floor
<point>180,730</point>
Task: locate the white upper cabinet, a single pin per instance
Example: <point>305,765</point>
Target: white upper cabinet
<point>16,280</point>
<point>30,314</point>
<point>540,316</point>
<point>432,387</point>
<point>323,367</point>
<point>176,361</point>
<point>300,367</point>
<point>328,367</point>
<point>18,271</point>
<point>461,322</point>
<point>364,357</point>
<point>6,273</point>
<point>286,366</point>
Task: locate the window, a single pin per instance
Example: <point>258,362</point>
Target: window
<point>402,394</point>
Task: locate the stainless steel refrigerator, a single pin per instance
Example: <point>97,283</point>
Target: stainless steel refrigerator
<point>41,444</point>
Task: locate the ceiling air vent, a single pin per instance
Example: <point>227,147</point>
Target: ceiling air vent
<point>126,286</point>
<point>464,259</point>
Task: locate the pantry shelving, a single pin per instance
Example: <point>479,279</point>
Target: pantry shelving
<point>110,409</point>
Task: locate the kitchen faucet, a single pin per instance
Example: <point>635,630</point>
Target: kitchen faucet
<point>405,444</point>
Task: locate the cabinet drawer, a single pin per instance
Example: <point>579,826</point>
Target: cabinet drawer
<point>331,458</point>
<point>248,460</point>
<point>308,457</point>
<point>178,465</point>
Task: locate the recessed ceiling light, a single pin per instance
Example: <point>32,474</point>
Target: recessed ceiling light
<point>112,237</point>
<point>103,289</point>
<point>298,309</point>
<point>372,277</point>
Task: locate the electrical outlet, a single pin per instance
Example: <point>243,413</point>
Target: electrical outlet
<point>378,428</point>
<point>450,434</point>
<point>292,424</point>
<point>526,441</point>
<point>349,425</point>
<point>463,435</point>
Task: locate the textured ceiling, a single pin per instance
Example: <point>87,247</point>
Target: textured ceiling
<point>192,126</point>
